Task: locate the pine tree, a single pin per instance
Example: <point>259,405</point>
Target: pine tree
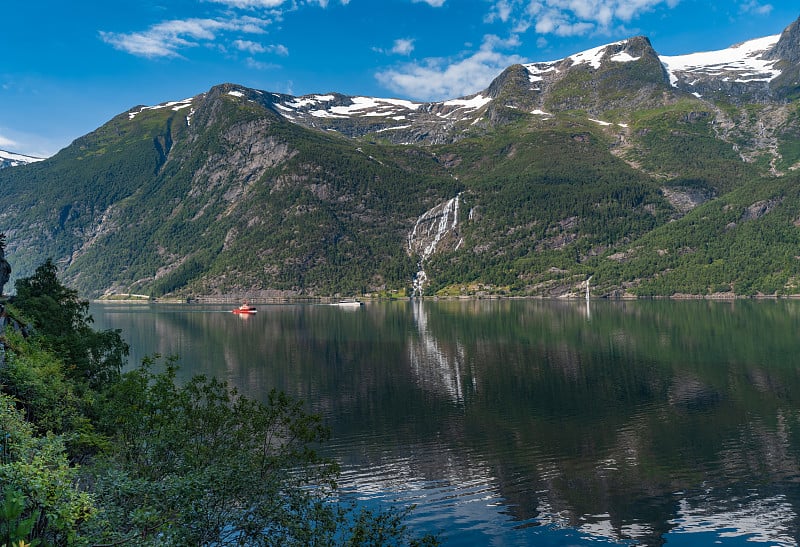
<point>5,267</point>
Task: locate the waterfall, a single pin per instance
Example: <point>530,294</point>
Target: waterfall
<point>428,233</point>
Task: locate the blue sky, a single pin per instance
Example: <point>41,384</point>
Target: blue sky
<point>67,67</point>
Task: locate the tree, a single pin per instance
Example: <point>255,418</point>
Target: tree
<point>202,465</point>
<point>40,500</point>
<point>62,320</point>
<point>5,267</point>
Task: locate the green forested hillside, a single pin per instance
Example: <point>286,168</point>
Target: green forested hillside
<point>52,207</point>
<point>651,190</point>
<point>746,243</point>
<point>179,211</point>
<point>546,200</point>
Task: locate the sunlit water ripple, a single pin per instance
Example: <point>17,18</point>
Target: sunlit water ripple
<point>531,423</point>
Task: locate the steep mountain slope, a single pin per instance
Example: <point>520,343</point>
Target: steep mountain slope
<point>657,175</point>
<point>223,193</point>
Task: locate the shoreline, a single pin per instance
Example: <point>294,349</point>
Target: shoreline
<point>234,300</point>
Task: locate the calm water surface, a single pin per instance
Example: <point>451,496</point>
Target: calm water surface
<point>531,422</point>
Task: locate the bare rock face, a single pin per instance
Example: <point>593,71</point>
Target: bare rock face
<point>759,209</point>
<point>788,46</point>
<point>686,199</point>
<point>787,52</point>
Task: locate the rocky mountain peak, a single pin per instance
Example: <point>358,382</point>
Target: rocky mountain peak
<point>788,46</point>
<point>510,93</point>
<point>509,82</point>
<point>609,77</point>
<point>637,46</point>
<point>614,54</point>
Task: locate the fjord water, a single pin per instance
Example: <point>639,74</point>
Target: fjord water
<point>530,422</point>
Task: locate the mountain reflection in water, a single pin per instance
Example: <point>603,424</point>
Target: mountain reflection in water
<point>519,422</point>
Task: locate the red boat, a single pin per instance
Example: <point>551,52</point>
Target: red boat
<point>245,309</point>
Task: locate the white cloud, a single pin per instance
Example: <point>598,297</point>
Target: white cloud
<point>258,65</point>
<point>250,4</point>
<point>434,3</point>
<point>246,45</point>
<point>500,10</point>
<point>255,47</point>
<point>555,22</point>
<point>5,141</point>
<point>754,7</point>
<point>168,38</point>
<point>278,49</point>
<point>324,3</point>
<point>572,17</point>
<point>435,79</point>
<point>403,46</point>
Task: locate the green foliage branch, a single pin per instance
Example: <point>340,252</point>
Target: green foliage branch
<point>63,321</point>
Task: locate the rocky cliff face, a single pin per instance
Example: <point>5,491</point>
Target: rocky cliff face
<point>787,48</point>
<point>787,54</point>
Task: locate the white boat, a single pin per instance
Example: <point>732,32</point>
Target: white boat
<point>348,304</point>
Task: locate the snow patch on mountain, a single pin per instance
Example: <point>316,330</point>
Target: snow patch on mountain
<point>174,105</point>
<point>743,63</point>
<point>474,103</point>
<point>536,70</point>
<point>354,107</point>
<point>302,102</point>
<point>624,57</point>
<point>593,57</point>
<point>10,159</point>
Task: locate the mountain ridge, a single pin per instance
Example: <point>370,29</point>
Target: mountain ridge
<point>404,121</point>
<point>602,163</point>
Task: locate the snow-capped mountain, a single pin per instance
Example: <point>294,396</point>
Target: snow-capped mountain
<point>746,63</point>
<point>394,120</point>
<point>10,159</point>
<point>618,78</point>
